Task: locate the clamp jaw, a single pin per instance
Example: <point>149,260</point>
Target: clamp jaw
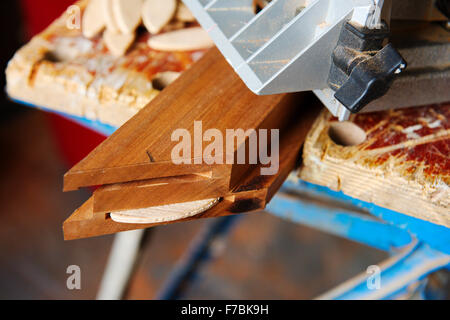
<point>336,48</point>
<point>362,69</point>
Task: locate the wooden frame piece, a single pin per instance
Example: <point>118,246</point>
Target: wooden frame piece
<point>252,193</point>
<point>209,91</point>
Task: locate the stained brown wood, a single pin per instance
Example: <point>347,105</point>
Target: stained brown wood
<point>155,192</point>
<point>169,190</point>
<point>252,193</point>
<point>209,91</point>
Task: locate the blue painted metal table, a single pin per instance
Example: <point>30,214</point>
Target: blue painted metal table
<point>417,248</point>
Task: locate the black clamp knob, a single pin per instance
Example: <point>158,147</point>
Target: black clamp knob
<point>362,69</point>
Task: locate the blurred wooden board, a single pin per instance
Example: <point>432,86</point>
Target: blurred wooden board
<point>403,165</point>
<point>211,92</point>
<point>252,193</point>
<point>61,70</point>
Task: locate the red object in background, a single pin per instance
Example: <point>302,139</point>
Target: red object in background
<point>38,14</point>
<point>74,141</point>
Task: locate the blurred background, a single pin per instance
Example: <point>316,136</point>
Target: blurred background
<point>264,257</point>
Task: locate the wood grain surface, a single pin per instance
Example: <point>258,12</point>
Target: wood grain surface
<point>252,192</point>
<point>403,164</point>
<point>211,92</point>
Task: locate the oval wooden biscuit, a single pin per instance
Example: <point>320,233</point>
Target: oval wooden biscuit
<point>165,213</point>
<point>118,43</point>
<point>127,14</point>
<point>184,14</point>
<point>93,21</point>
<point>163,79</point>
<point>157,13</point>
<point>108,15</point>
<point>188,39</point>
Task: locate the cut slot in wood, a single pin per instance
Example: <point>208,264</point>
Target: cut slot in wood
<point>252,192</point>
<point>155,192</point>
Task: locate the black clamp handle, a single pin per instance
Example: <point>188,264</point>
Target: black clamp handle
<point>362,69</point>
